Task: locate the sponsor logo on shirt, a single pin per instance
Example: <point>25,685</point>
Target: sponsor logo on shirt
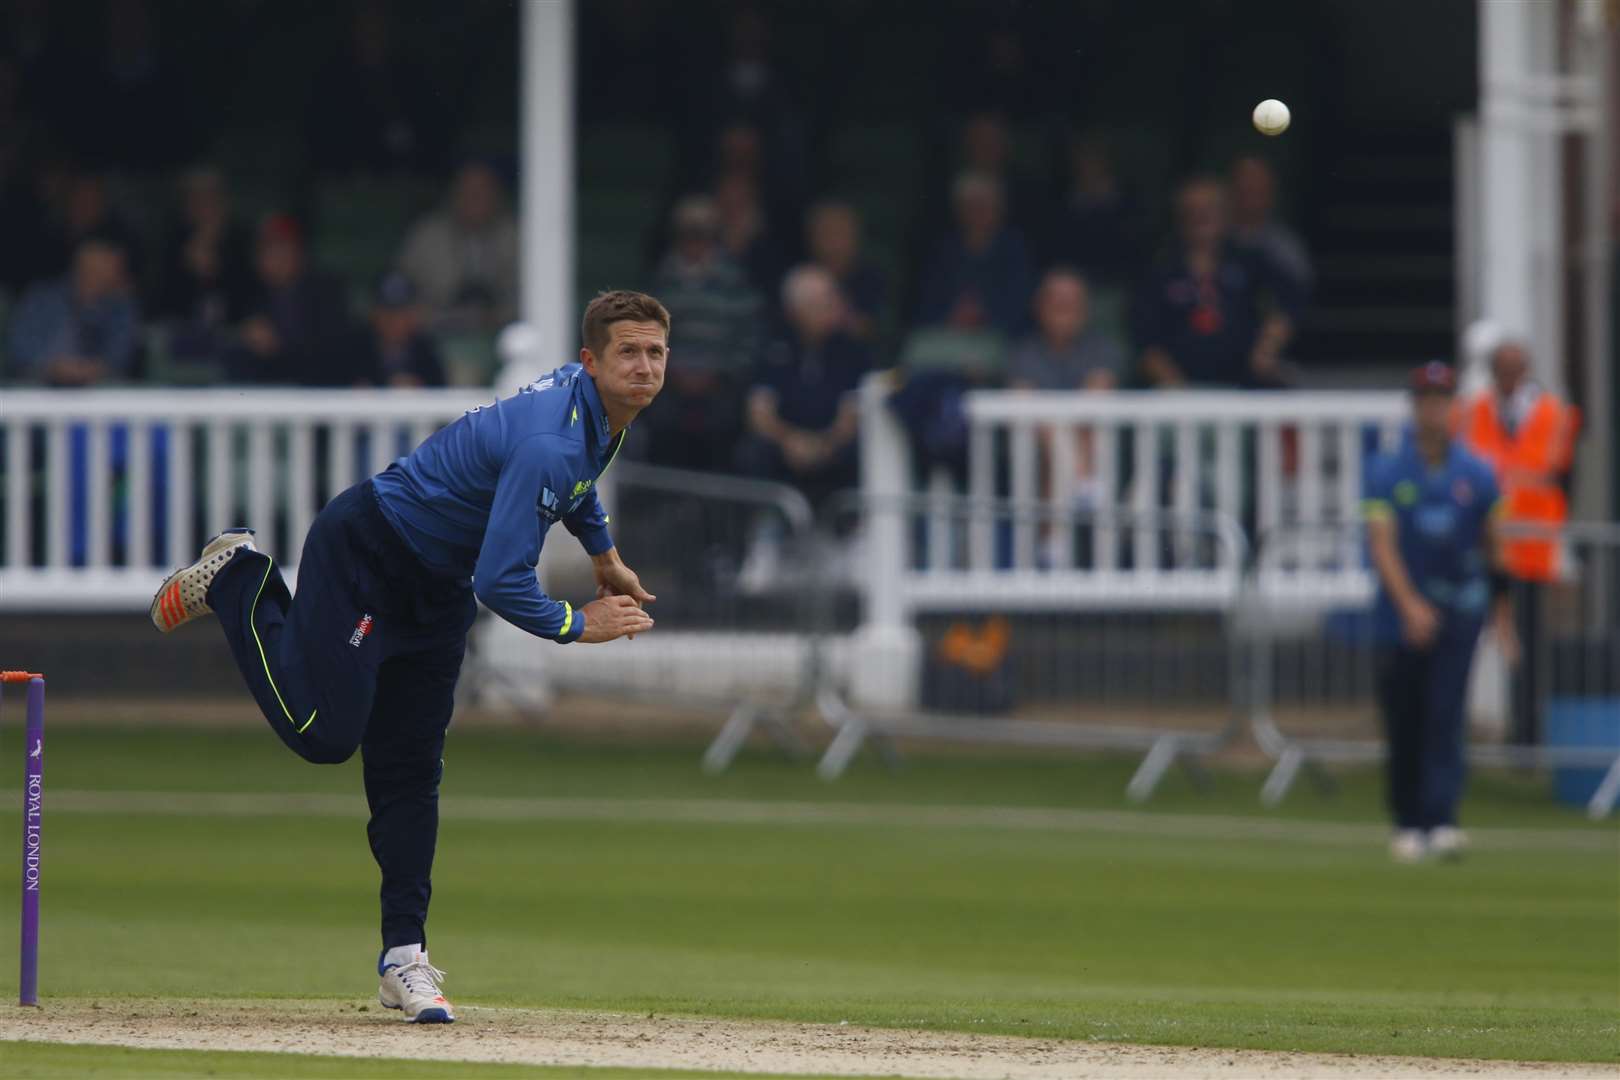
<point>549,506</point>
<point>361,629</point>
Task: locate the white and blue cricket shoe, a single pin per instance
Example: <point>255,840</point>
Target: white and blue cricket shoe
<point>411,984</point>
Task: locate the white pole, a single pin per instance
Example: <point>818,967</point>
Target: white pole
<point>1508,287</point>
<point>547,193</point>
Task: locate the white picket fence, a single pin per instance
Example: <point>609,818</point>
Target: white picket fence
<point>1198,460</point>
<point>103,489</point>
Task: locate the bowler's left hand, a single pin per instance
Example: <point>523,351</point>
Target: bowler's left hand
<point>613,578</point>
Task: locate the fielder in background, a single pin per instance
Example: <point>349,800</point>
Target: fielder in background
<point>1527,436</point>
<point>1430,510</point>
<point>366,656</point>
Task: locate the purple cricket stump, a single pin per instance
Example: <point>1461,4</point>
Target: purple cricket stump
<point>33,817</point>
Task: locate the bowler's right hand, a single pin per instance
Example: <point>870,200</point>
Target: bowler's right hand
<point>613,617</point>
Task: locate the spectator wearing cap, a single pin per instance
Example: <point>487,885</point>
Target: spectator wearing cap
<point>802,412</point>
<point>464,257</point>
<point>1432,536</point>
<point>980,276</point>
<point>394,348</point>
<point>1211,313</point>
<point>298,319</point>
<point>699,414</point>
<point>833,236</point>
<point>80,329</point>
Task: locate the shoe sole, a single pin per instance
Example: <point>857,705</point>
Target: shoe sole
<point>426,1016</point>
<point>167,609</point>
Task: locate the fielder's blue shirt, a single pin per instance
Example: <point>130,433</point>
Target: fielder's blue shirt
<point>478,497</point>
<point>1440,515</point>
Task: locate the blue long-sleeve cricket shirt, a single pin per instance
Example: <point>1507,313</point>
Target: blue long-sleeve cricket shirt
<point>478,497</point>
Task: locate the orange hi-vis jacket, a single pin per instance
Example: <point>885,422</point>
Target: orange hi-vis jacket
<point>1528,465</point>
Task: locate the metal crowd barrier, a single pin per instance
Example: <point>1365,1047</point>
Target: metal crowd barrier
<point>1312,694</point>
<point>1004,631</point>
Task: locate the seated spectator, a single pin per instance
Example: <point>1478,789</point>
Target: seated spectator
<point>987,150</point>
<point>297,321</point>
<point>393,349</point>
<point>464,258</point>
<point>81,329</point>
<point>208,259</point>
<point>745,231</point>
<point>980,276</point>
<point>833,236</point>
<point>375,107</point>
<point>802,412</point>
<point>699,412</point>
<point>1065,353</point>
<point>83,208</point>
<point>1091,228</point>
<point>1255,226</point>
<point>1211,313</point>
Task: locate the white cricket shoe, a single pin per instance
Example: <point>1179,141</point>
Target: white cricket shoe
<point>411,984</point>
<point>1408,846</point>
<point>1448,842</point>
<point>183,596</point>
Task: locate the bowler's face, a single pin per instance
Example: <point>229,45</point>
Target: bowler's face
<point>631,367</point>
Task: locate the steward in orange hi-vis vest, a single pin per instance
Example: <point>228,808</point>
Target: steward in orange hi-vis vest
<point>1528,436</point>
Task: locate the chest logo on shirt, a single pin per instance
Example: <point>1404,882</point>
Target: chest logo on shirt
<point>582,486</point>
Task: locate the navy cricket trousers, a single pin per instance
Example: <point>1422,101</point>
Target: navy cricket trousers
<point>1424,696</point>
<point>365,657</point>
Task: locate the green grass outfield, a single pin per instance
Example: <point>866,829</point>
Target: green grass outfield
<point>764,893</point>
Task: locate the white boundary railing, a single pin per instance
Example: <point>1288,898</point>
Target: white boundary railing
<point>1255,457</point>
<point>106,489</point>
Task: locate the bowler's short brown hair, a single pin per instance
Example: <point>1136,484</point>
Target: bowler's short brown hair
<point>618,305</point>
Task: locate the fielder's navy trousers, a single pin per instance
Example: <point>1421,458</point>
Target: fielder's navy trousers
<point>1424,693</point>
<point>365,658</point>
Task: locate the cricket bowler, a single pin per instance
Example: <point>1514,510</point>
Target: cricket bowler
<point>367,654</point>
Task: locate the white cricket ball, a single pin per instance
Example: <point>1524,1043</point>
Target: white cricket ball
<point>1271,117</point>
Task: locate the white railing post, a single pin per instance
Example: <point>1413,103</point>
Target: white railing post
<point>887,648</point>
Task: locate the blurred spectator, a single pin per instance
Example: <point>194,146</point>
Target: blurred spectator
<point>748,89</point>
<point>81,329</point>
<point>709,298</point>
<point>802,413</point>
<point>1065,353</point>
<point>833,236</point>
<point>1211,313</point>
<point>1091,228</point>
<point>393,349</point>
<point>373,109</point>
<point>987,150</point>
<point>464,257</point>
<point>980,275</point>
<point>297,321</point>
<point>135,113</point>
<point>208,258</point>
<point>1255,226</point>
<point>745,231</point>
<point>81,207</point>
